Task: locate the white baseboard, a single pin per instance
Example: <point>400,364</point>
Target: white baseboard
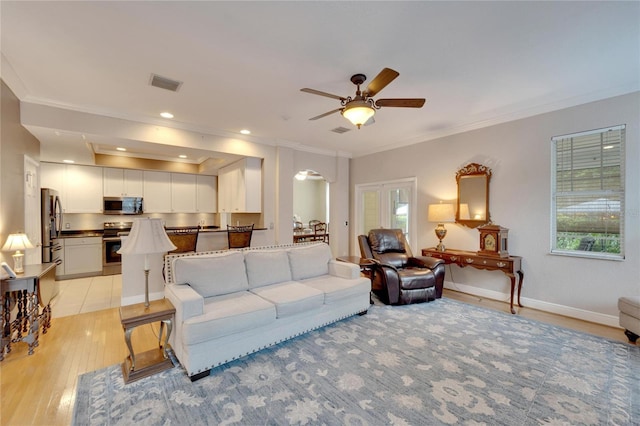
<point>132,300</point>
<point>567,311</point>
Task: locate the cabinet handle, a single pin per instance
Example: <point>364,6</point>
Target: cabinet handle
<point>501,264</point>
<point>469,260</point>
<point>454,258</point>
<point>484,262</point>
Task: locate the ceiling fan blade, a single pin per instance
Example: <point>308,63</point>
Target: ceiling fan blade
<point>403,103</point>
<point>386,76</point>
<point>370,121</point>
<point>318,92</point>
<point>325,114</point>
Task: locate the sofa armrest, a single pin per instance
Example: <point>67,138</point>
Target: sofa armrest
<point>344,269</point>
<point>187,301</point>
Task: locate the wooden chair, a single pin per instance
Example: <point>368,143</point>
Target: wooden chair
<point>320,232</point>
<point>185,239</point>
<point>314,222</point>
<point>239,236</point>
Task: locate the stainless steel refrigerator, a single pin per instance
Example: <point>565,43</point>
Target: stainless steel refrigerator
<point>51,226</point>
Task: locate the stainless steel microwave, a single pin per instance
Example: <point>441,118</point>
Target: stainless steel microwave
<point>122,205</point>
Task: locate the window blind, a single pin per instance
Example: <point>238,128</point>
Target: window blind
<point>588,192</point>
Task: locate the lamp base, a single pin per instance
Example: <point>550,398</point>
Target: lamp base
<point>441,232</point>
<point>146,288</point>
<point>18,262</point>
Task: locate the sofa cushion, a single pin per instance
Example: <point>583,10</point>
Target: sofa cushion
<point>291,297</point>
<point>212,275</point>
<point>228,314</point>
<point>336,289</point>
<point>266,267</point>
<point>309,261</point>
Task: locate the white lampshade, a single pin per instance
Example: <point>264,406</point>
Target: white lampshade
<point>441,213</point>
<point>358,112</point>
<point>17,242</point>
<point>147,236</point>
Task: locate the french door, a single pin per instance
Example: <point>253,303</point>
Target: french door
<point>390,204</point>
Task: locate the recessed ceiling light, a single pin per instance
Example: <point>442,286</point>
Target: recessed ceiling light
<point>166,115</point>
<point>68,161</point>
<point>182,156</point>
<point>245,132</point>
<point>121,149</point>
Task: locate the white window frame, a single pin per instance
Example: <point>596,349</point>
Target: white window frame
<point>555,195</point>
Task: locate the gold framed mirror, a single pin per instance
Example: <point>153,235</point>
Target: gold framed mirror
<point>473,195</point>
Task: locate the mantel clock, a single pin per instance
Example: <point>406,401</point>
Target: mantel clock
<point>493,240</point>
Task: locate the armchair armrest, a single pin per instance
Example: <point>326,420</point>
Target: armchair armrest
<point>343,269</point>
<point>187,301</point>
<point>390,277</point>
<point>425,262</point>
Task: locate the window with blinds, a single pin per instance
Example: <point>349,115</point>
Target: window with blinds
<point>588,193</point>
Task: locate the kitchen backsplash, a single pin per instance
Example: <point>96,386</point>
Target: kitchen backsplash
<point>92,221</point>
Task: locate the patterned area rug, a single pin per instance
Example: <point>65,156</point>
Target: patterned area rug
<point>443,362</point>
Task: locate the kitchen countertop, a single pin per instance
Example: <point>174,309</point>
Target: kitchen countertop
<point>100,232</point>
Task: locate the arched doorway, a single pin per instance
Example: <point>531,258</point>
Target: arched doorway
<point>310,201</point>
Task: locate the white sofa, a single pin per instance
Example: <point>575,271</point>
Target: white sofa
<point>235,302</point>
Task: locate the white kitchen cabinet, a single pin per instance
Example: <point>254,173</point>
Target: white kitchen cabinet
<point>240,187</point>
<point>122,182</point>
<point>81,189</point>
<point>183,193</point>
<point>206,194</point>
<point>77,185</point>
<point>52,176</point>
<point>82,255</point>
<point>157,192</point>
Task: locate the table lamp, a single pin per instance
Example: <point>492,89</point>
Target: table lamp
<point>147,237</point>
<point>441,213</point>
<point>17,242</point>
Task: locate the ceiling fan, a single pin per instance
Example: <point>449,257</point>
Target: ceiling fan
<point>361,108</point>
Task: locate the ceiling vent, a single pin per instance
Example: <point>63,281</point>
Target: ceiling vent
<point>340,130</point>
<point>165,83</point>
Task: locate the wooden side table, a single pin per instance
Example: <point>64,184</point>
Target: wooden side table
<point>24,290</point>
<point>147,363</point>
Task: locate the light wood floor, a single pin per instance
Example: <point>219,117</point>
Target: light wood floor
<point>40,389</point>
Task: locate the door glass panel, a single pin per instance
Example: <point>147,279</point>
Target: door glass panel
<point>399,209</point>
<point>370,210</point>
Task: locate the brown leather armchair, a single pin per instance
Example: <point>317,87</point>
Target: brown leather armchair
<point>398,277</point>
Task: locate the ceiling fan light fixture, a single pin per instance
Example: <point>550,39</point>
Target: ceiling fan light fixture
<point>358,112</point>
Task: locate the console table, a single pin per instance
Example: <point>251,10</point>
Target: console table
<point>509,265</point>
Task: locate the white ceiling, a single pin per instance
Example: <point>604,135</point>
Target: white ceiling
<point>243,64</point>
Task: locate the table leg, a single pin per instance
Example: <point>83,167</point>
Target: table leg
<point>512,277</point>
<point>169,325</point>
<point>127,339</point>
<point>521,274</point>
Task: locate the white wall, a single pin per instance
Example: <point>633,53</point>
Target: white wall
<point>519,153</point>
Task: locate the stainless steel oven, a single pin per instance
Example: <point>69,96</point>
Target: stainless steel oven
<point>111,243</point>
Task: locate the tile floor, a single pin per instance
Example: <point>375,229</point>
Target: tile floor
<point>82,295</point>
